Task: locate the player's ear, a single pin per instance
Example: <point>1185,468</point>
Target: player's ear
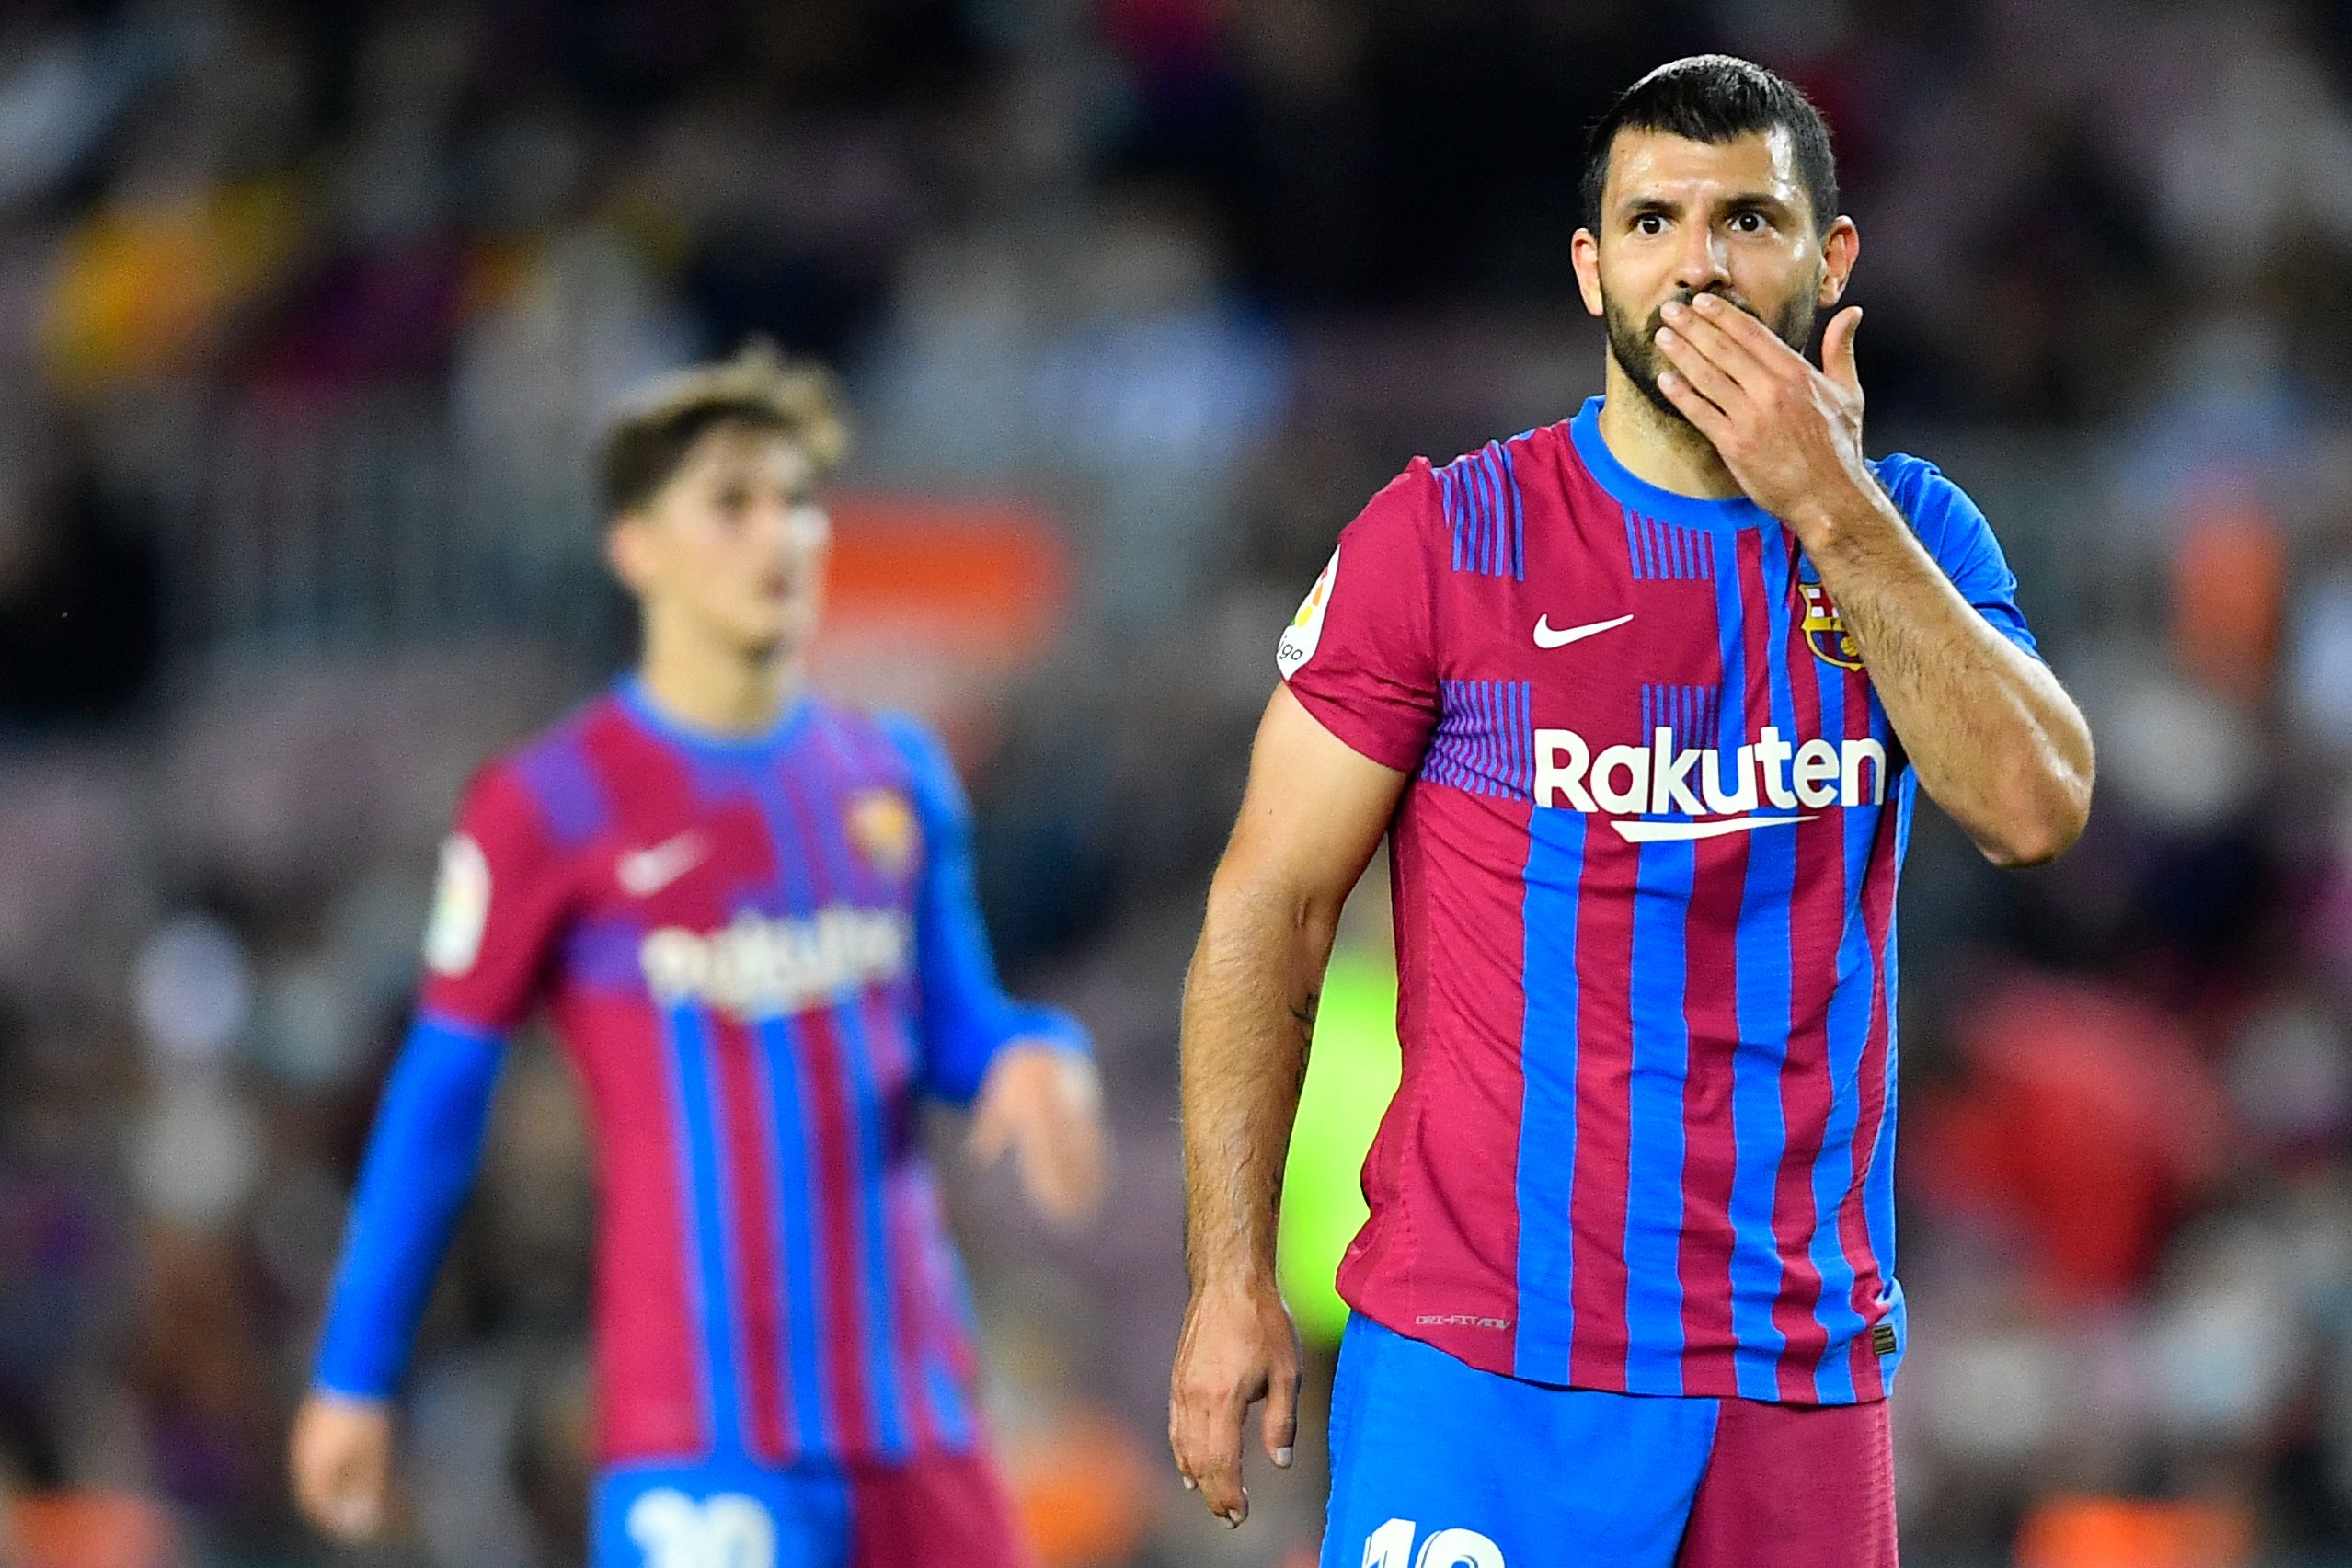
<point>628,551</point>
<point>1584,255</point>
<point>1840,247</point>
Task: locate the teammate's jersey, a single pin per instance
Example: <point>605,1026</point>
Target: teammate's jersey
<point>1645,889</point>
<point>757,953</point>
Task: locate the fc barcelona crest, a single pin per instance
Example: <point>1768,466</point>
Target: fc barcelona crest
<point>1825,629</point>
<point>881,824</point>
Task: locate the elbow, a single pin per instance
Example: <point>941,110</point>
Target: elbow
<point>2041,826</point>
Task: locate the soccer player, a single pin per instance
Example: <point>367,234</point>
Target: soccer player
<point>1643,698</point>
<point>749,914</point>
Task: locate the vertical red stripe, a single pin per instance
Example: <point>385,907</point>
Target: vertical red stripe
<point>1711,1018</point>
<point>1816,919</point>
<point>1597,1193</point>
<point>834,1158</point>
<point>751,1199</point>
<point>649,1393</point>
<point>1710,1152</point>
<point>911,1310</point>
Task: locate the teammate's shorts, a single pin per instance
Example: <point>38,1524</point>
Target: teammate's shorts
<point>1436,1464</point>
<point>948,1510</point>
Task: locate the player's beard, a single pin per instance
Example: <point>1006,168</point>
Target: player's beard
<point>1636,351</point>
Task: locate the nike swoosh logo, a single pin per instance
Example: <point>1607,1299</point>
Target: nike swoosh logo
<point>1545,637</point>
<point>647,872</point>
<point>1660,832</point>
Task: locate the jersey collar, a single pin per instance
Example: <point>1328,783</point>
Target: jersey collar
<point>1644,499</point>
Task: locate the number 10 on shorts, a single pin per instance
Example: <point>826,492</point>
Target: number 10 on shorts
<point>1391,1546</point>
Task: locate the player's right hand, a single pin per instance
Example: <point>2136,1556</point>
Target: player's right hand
<point>1239,1345</point>
<point>342,1458</point>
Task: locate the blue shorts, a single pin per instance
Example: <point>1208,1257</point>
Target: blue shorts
<point>942,1509</point>
<point>1436,1464</point>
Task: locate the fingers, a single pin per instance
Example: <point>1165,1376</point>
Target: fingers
<point>1281,1422</point>
<point>1744,334</point>
<point>991,1130</point>
<point>341,1489</point>
<point>1711,327</point>
<point>1711,420</point>
<point>1205,1431</point>
<point>1837,351</point>
<point>1710,379</point>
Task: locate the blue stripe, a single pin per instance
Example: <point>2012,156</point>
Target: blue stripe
<point>1481,736</point>
<point>1519,519</point>
<point>1674,551</point>
<point>865,1113</point>
<point>1654,1212</point>
<point>714,1263</point>
<point>1547,1127</point>
<point>795,1208</point>
<point>798,1199</point>
<point>1878,1194</point>
<point>1490,485</point>
<point>1759,1129</point>
<point>1633,544</point>
<point>1848,1030</point>
<point>1524,734</point>
<point>1452,511</point>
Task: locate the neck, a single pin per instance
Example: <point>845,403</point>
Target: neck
<point>1657,448</point>
<point>718,689</point>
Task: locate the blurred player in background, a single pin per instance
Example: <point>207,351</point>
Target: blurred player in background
<point>1644,698</point>
<point>751,915</point>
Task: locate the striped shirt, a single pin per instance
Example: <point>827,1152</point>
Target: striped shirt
<point>1645,876</point>
<point>758,954</point>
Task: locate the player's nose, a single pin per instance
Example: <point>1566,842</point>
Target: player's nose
<point>1703,263</point>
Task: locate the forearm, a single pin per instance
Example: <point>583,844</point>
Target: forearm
<point>420,1166</point>
<point>1249,1008</point>
<point>1993,737</point>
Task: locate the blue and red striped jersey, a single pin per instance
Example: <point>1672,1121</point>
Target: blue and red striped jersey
<point>1644,877</point>
<point>758,954</point>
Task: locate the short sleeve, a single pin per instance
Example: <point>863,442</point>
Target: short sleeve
<point>1955,531</point>
<point>498,906</point>
<point>1359,655</point>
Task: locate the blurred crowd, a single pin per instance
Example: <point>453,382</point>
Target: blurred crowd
<point>1197,276</point>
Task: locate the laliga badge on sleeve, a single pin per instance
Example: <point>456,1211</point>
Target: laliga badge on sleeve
<point>1305,630</point>
<point>461,907</point>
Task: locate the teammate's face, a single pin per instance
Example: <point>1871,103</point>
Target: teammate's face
<point>732,548</point>
<point>1680,218</point>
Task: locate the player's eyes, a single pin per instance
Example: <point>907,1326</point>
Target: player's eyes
<point>1749,223</point>
<point>1649,224</point>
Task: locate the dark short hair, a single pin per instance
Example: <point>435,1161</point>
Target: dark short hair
<point>645,444</point>
<point>1716,98</point>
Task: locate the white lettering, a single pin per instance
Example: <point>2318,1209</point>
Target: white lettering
<point>1668,768</point>
<point>1770,752</point>
<point>1857,752</point>
<point>1634,762</point>
<point>1554,775</point>
<point>1816,769</point>
<point>1654,780</point>
<point>764,968</point>
<point>1740,799</point>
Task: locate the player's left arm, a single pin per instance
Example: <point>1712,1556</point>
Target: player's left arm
<point>1028,1071</point>
<point>1993,736</point>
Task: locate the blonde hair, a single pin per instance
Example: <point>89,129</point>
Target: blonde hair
<point>798,399</point>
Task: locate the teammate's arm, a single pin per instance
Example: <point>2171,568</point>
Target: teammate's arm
<point>1026,1071</point>
<point>1314,812</point>
<point>1994,738</point>
<point>503,897</point>
<point>421,1164</point>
